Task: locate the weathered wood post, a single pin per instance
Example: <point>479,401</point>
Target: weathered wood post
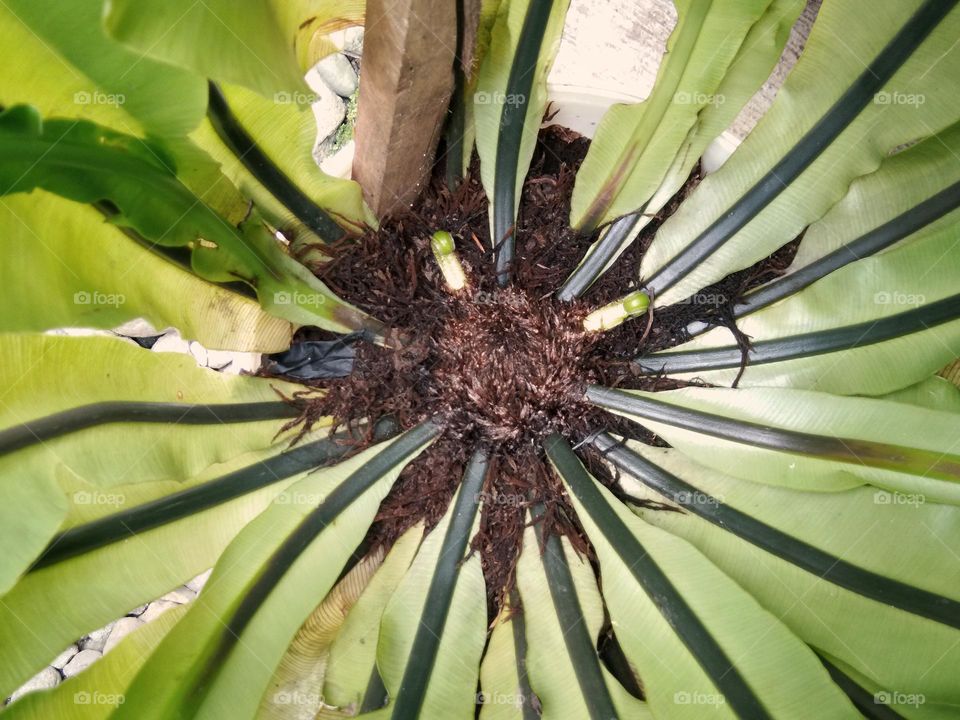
<point>406,83</point>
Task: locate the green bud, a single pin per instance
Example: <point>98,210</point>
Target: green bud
<point>445,253</point>
<point>442,243</point>
<point>609,316</point>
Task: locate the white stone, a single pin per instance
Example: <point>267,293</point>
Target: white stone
<point>97,639</point>
<point>156,609</point>
<point>122,628</point>
<point>340,164</point>
<point>232,362</point>
<point>43,680</point>
<point>181,595</point>
<point>337,72</point>
<point>199,581</point>
<point>718,152</point>
<point>138,610</point>
<point>353,41</point>
<point>171,342</point>
<point>338,38</point>
<point>199,353</point>
<point>80,662</point>
<point>63,658</point>
<point>137,328</point>
<point>329,110</point>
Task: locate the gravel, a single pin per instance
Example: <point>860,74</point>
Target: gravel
<point>80,662</point>
<point>337,72</point>
<point>43,680</point>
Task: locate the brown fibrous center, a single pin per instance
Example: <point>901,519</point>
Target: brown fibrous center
<point>509,367</point>
<point>499,368</point>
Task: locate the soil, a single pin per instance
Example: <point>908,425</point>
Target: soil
<point>502,368</point>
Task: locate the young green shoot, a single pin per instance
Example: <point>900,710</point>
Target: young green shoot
<point>609,316</point>
<point>445,252</point>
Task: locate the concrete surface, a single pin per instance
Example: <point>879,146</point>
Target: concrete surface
<point>617,45</point>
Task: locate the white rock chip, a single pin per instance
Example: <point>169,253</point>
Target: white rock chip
<point>337,72</point>
<point>172,342</point>
<point>181,595</point>
<point>156,609</point>
<point>353,41</point>
<point>233,362</point>
<point>43,680</point>
<point>122,628</point>
<point>97,639</point>
<point>338,38</point>
<point>199,353</point>
<point>63,658</point>
<point>199,581</point>
<point>80,662</point>
<point>349,40</point>
<point>340,164</point>
<point>138,611</point>
<point>329,109</point>
<point>137,328</point>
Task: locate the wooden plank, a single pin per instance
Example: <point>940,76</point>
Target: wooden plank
<point>405,87</point>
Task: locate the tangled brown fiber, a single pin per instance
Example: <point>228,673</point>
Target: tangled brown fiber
<point>500,368</point>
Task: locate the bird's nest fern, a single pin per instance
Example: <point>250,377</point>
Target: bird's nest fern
<point>736,501</point>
